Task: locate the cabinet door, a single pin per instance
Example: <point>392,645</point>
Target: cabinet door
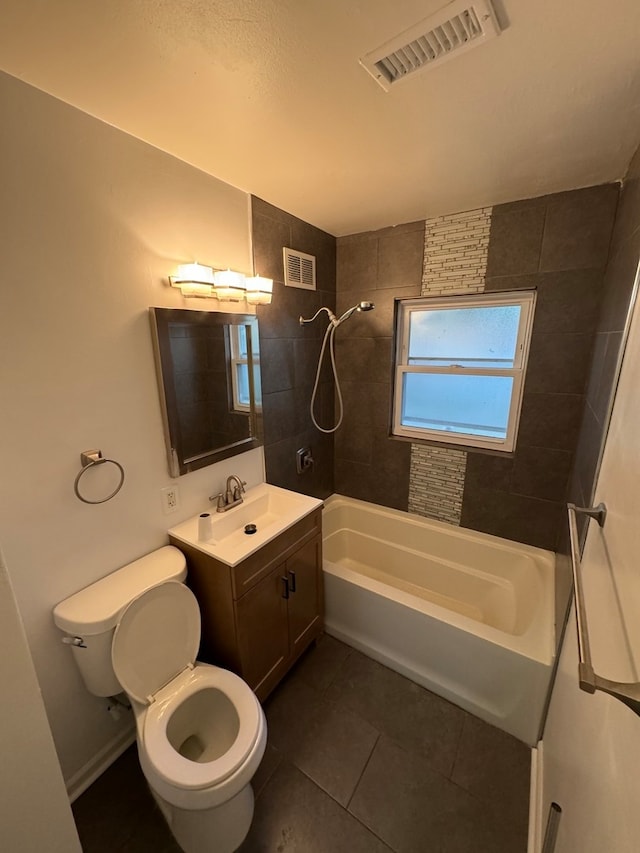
<point>262,633</point>
<point>304,570</point>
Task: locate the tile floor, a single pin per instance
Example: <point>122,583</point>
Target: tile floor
<point>359,760</point>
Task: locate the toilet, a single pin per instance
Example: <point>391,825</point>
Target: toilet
<point>201,731</point>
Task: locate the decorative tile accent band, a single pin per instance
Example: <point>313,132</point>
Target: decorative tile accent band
<point>455,261</point>
<point>455,253</point>
<point>436,482</point>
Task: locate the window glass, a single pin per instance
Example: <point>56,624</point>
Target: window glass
<point>470,405</point>
<point>470,337</point>
<point>239,342</point>
<point>242,384</point>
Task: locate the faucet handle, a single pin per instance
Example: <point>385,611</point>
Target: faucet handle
<point>220,498</point>
<point>239,489</point>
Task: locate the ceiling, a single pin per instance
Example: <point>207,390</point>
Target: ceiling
<point>268,95</point>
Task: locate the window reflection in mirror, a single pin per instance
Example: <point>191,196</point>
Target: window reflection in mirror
<point>240,363</point>
<point>208,367</point>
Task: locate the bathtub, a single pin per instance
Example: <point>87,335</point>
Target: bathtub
<point>467,615</point>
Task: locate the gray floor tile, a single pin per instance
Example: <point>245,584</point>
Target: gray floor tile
<point>496,767</point>
<point>416,810</point>
<point>334,750</point>
<point>117,813</point>
<point>414,717</point>
<point>329,744</point>
<point>288,711</point>
<point>149,836</point>
<point>294,816</point>
<point>324,722</point>
<point>477,828</point>
<point>320,665</point>
<point>270,761</point>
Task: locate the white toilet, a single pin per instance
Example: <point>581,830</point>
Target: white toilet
<point>201,730</point>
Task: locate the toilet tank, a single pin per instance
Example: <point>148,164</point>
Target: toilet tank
<point>93,613</point>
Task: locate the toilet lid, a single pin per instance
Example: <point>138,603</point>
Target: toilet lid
<point>156,638</point>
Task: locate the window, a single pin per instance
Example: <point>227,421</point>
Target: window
<point>460,364</point>
<point>240,369</point>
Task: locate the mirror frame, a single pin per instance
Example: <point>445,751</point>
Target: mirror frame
<point>161,318</point>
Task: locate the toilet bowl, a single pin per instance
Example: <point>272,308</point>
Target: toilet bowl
<point>199,745</point>
<point>201,732</point>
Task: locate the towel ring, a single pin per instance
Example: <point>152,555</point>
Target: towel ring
<point>88,459</point>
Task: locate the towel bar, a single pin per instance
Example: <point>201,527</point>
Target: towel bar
<point>628,693</point>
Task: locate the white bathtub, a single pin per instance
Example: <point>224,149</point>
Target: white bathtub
<point>465,614</point>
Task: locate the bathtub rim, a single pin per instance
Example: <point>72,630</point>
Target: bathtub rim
<point>444,526</point>
<point>536,643</point>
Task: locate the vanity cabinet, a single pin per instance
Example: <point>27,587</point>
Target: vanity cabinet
<point>260,615</point>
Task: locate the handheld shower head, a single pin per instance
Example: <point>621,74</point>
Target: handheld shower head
<point>361,306</point>
<point>329,336</point>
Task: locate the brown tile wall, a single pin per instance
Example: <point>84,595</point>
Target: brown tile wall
<point>558,244</point>
<point>289,352</point>
<point>619,279</point>
<point>618,290</point>
<point>377,266</point>
<point>618,286</point>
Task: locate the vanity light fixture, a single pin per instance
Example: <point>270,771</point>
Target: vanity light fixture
<point>228,286</point>
<point>259,290</point>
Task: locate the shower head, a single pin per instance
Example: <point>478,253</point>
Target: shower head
<point>361,306</point>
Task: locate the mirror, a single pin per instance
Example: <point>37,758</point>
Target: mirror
<point>208,366</point>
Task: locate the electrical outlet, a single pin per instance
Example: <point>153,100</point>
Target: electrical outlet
<point>170,499</point>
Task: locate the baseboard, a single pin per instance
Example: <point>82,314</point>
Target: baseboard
<point>94,768</point>
<point>536,798</point>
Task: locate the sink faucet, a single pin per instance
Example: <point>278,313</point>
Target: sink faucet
<point>232,496</point>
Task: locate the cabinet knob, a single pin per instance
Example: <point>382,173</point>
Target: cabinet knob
<point>285,590</point>
<point>292,581</point>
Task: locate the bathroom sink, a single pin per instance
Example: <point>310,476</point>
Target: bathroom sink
<point>271,509</point>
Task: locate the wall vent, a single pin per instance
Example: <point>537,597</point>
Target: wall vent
<point>457,27</point>
<point>299,269</point>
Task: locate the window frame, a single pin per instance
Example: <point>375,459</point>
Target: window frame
<point>404,308</point>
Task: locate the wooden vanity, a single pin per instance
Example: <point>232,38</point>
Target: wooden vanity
<point>261,614</point>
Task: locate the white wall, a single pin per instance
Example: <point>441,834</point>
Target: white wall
<point>31,778</point>
<point>92,222</point>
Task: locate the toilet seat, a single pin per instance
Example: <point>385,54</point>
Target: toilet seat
<point>167,762</point>
<point>153,654</point>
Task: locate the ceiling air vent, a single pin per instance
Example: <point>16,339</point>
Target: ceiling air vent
<point>299,269</point>
<point>457,27</point>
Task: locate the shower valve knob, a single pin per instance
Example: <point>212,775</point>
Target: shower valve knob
<point>304,459</point>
